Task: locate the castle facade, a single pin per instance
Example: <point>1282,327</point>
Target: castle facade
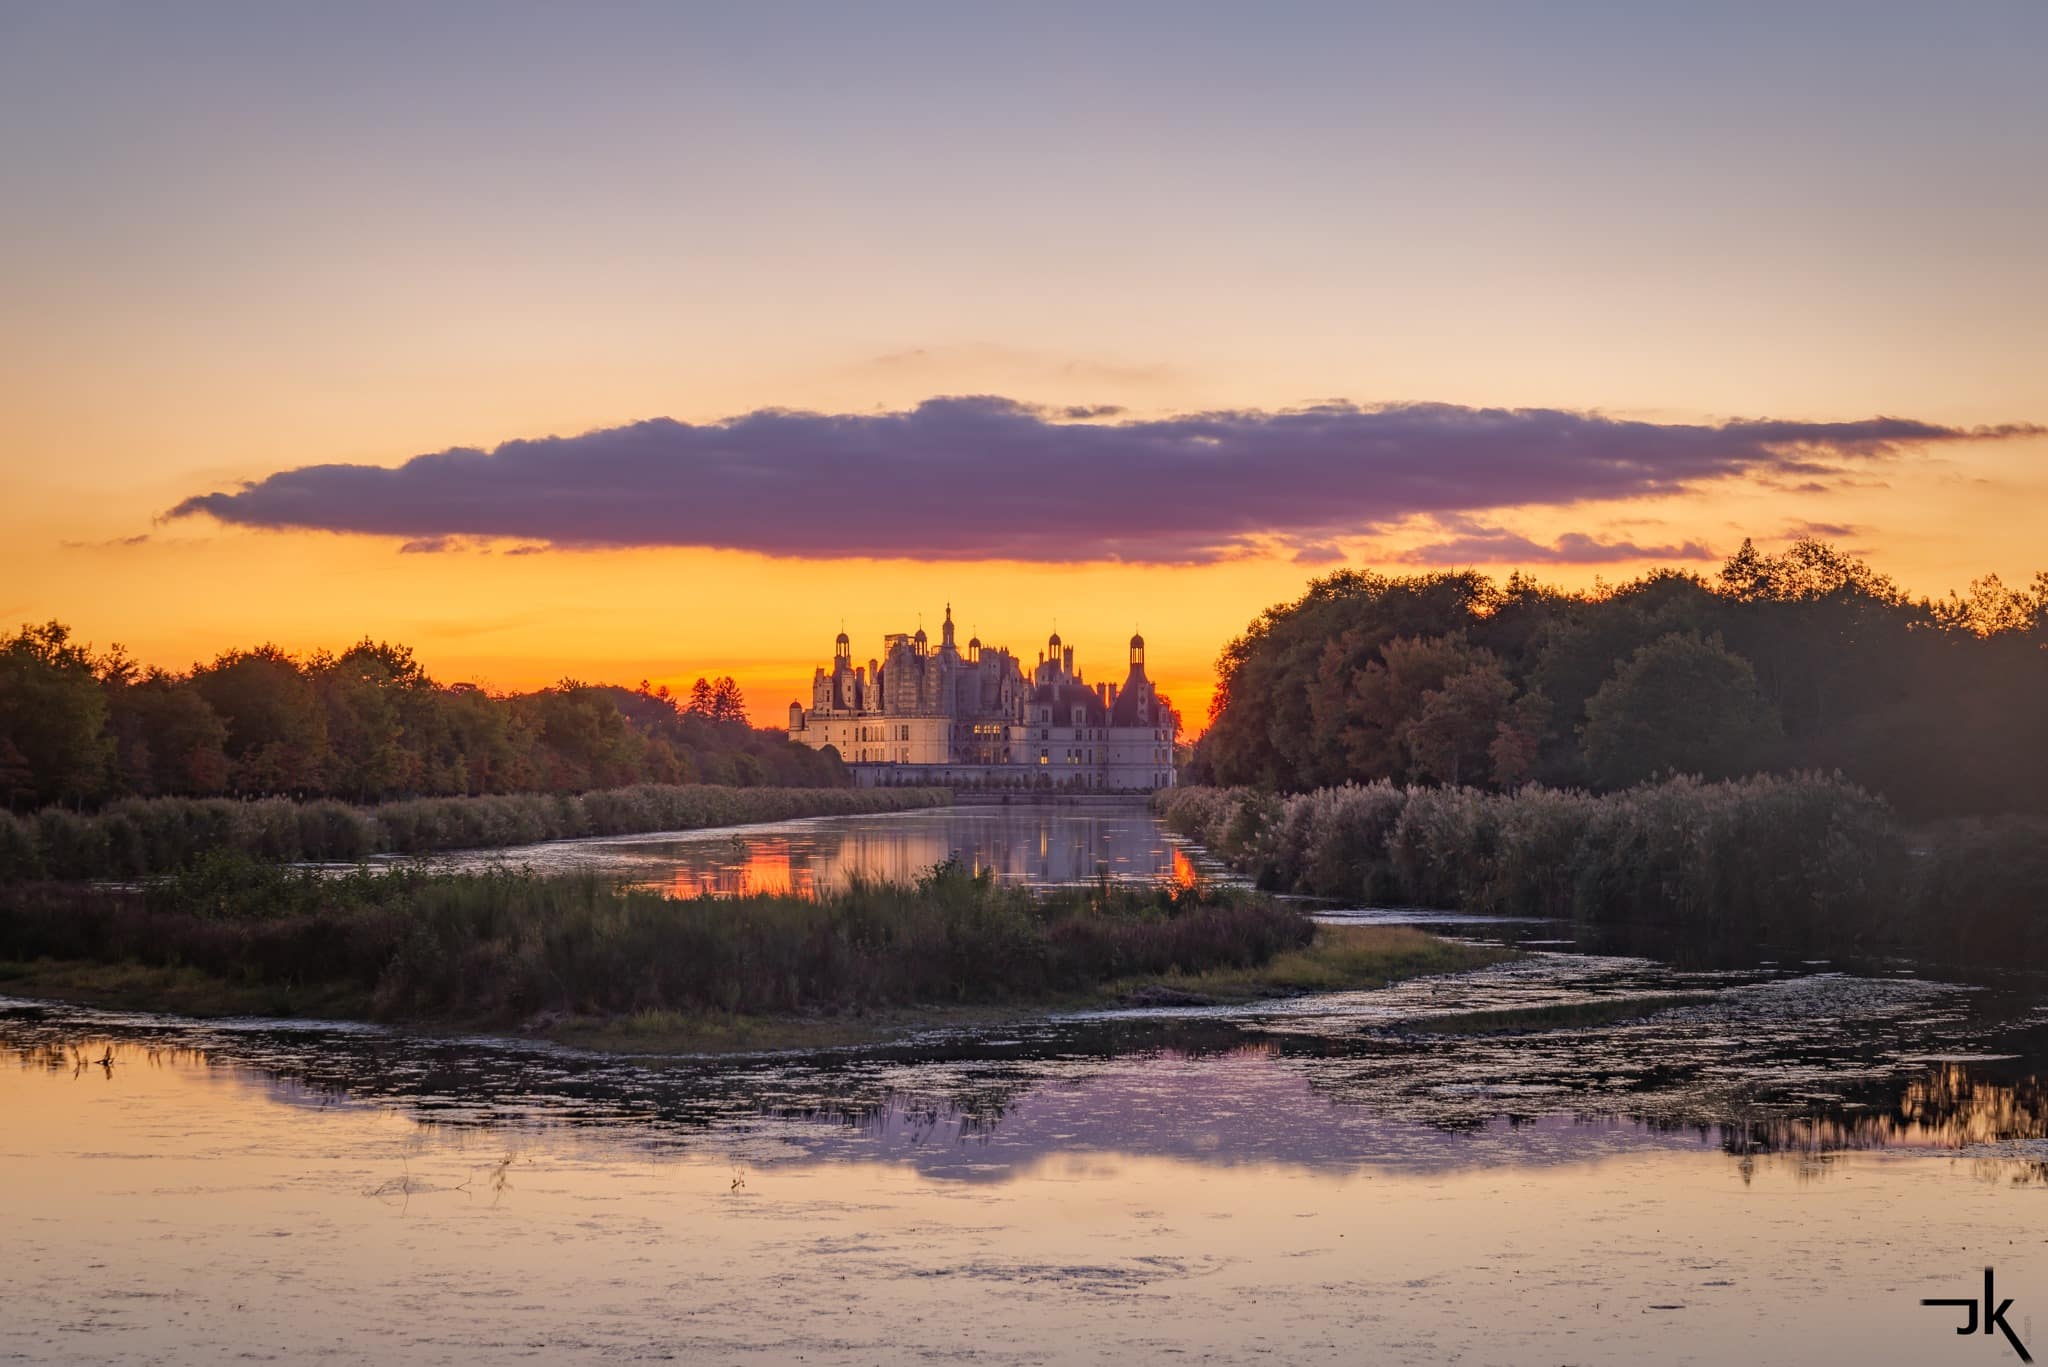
<point>920,714</point>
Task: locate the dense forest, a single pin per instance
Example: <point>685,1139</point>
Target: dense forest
<point>366,725</point>
<point>1807,660</point>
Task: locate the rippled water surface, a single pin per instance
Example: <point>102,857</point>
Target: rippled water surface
<point>1581,1156</point>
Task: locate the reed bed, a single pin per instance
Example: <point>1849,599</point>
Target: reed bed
<point>503,946</point>
<point>1804,860</point>
<point>143,837</point>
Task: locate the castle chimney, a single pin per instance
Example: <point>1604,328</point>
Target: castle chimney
<point>1067,660</point>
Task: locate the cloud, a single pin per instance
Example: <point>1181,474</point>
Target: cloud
<point>117,543</point>
<point>1318,553</point>
<point>1481,545</point>
<point>985,478</point>
<point>1823,531</point>
<point>433,545</point>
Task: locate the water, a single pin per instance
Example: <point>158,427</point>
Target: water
<point>1042,844</point>
<point>1662,1160</point>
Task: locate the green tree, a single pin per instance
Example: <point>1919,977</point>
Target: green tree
<point>53,714</point>
<point>1452,734</point>
<point>1680,704</point>
<point>374,696</point>
<point>277,731</point>
<point>169,739</point>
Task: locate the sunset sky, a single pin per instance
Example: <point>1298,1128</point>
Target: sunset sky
<point>706,329</point>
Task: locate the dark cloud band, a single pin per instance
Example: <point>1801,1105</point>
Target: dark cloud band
<point>991,479</point>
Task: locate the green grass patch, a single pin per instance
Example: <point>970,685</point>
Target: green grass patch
<point>1338,959</point>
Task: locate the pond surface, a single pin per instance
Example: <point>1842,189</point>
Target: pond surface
<point>1044,844</point>
<point>1581,1156</point>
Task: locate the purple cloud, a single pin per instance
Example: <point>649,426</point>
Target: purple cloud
<point>1827,531</point>
<point>986,478</point>
<point>1477,545</point>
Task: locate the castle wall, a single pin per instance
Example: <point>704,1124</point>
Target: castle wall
<point>935,716</point>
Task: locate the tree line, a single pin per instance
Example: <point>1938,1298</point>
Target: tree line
<point>365,725</point>
<point>1806,660</point>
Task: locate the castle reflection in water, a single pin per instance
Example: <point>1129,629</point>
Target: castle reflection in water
<point>1023,844</point>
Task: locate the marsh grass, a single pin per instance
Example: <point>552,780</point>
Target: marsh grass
<point>1805,861</point>
<point>504,946</point>
<point>1337,959</point>
<point>143,837</point>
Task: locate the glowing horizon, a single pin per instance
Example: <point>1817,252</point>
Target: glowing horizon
<point>1066,261</point>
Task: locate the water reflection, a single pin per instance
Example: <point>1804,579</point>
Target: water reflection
<point>1760,1070</point>
<point>1041,844</point>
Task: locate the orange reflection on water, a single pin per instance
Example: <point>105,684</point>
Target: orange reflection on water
<point>763,865</point>
<point>1947,1107</point>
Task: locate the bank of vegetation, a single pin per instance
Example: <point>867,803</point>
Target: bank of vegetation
<point>1804,861</point>
<point>81,728</point>
<point>1808,660</point>
<point>504,947</point>
<point>137,837</point>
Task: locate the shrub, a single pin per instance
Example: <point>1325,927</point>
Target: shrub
<point>1805,858</point>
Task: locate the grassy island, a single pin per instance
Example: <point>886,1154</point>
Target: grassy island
<point>581,959</point>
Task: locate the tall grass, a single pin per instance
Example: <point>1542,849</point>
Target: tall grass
<point>1803,860</point>
<point>503,945</point>
<point>140,837</point>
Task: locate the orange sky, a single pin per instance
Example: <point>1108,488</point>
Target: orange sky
<point>234,250</point>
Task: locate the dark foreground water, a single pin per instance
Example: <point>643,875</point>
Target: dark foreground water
<point>1584,1156</point>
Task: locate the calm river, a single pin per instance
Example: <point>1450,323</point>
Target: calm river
<point>1759,1161</point>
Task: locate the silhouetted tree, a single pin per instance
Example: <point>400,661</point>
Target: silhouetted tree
<point>1681,704</point>
<point>277,733</point>
<point>727,702</point>
<point>53,715</point>
<point>1328,688</point>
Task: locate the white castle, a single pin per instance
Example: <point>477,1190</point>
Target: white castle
<point>973,719</point>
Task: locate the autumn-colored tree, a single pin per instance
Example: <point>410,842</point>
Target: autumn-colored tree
<point>1451,736</point>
